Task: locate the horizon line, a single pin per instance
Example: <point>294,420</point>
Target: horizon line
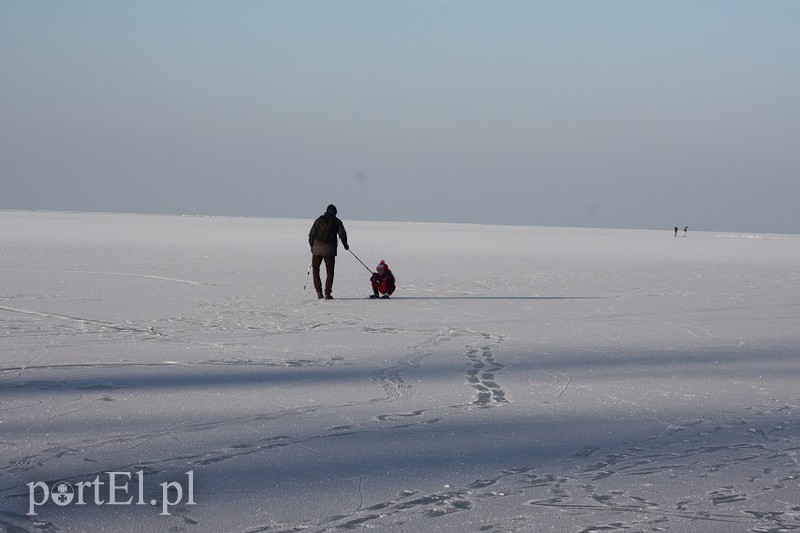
<point>500,224</point>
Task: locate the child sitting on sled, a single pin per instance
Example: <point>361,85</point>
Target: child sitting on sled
<point>382,281</point>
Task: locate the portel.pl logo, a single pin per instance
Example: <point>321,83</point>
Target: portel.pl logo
<point>110,489</point>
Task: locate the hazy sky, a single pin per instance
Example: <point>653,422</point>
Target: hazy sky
<point>612,114</point>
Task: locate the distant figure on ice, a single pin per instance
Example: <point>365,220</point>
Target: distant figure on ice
<point>323,242</point>
<point>685,229</point>
<point>383,284</point>
<point>676,231</point>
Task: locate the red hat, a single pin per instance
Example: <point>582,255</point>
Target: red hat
<point>382,265</point>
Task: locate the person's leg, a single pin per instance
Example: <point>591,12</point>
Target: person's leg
<point>316,261</point>
<point>330,265</point>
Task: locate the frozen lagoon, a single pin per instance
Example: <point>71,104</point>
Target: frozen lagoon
<point>523,379</point>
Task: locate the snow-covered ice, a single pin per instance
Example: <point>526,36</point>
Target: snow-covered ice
<point>522,379</point>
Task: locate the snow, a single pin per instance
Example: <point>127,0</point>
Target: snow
<point>521,379</point>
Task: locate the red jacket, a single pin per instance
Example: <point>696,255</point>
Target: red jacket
<point>383,282</point>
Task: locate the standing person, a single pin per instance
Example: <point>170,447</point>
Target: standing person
<point>323,242</point>
<point>383,282</point>
<point>685,229</point>
<point>676,231</point>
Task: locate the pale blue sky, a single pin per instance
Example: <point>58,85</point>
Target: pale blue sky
<point>612,114</point>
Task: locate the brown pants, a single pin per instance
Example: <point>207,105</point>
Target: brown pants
<point>330,264</point>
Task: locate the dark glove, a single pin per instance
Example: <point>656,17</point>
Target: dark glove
<point>346,247</point>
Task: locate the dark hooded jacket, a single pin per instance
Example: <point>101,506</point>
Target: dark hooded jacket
<point>324,232</point>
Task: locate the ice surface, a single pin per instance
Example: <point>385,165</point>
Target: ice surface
<point>521,379</point>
